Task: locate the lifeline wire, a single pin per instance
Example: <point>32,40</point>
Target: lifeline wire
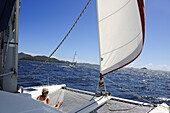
<point>128,91</point>
<point>60,42</point>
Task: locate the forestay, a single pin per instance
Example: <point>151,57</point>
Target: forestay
<point>121,28</point>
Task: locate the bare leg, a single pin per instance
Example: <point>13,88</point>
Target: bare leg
<point>59,105</point>
<point>56,104</point>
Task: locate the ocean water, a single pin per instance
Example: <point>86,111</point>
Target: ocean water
<point>153,86</point>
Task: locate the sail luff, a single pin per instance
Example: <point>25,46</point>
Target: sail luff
<point>97,4</point>
<point>121,29</point>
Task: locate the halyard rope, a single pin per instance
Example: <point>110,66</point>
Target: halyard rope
<point>59,44</point>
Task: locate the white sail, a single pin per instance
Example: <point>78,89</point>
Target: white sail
<point>121,32</point>
<point>75,58</point>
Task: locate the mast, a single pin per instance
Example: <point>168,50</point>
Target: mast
<point>9,52</point>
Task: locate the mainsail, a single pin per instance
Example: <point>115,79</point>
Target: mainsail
<point>121,28</point>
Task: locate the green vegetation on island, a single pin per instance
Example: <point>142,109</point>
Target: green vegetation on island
<point>23,56</point>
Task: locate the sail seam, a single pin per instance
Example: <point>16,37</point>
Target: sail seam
<point>115,11</point>
<point>124,44</point>
<point>123,61</point>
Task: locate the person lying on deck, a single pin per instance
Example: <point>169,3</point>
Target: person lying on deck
<point>45,98</point>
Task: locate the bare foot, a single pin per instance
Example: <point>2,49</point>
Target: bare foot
<point>59,105</point>
<point>56,104</point>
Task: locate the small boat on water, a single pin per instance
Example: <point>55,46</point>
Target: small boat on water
<point>121,27</point>
<point>74,62</point>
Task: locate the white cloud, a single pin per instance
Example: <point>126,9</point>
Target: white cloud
<point>163,67</point>
<point>84,61</point>
<point>152,66</point>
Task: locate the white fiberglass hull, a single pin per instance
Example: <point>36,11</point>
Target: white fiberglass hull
<point>73,101</point>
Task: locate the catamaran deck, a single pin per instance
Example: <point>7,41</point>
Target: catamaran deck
<point>73,98</point>
<point>74,101</point>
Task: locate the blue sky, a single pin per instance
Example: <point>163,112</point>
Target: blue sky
<point>44,23</point>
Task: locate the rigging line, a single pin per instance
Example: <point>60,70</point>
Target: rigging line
<point>129,91</point>
<point>1,53</point>
<point>6,51</point>
<point>60,42</point>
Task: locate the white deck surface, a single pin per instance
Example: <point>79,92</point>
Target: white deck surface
<point>23,103</point>
<point>18,103</point>
<point>73,99</point>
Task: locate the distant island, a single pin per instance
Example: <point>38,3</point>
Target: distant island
<point>23,56</point>
<point>144,68</point>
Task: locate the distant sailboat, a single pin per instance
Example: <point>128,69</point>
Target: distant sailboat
<point>74,62</point>
<point>121,29</point>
